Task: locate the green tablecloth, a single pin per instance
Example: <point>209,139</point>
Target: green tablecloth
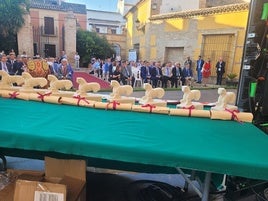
<point>217,146</point>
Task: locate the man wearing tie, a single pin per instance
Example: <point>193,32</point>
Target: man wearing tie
<point>187,75</point>
<point>4,65</point>
<point>166,74</point>
<point>13,62</point>
<point>220,70</point>
<point>176,75</point>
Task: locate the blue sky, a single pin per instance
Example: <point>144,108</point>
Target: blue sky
<point>105,5</point>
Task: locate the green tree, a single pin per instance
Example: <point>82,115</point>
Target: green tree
<point>90,44</point>
<point>11,20</point>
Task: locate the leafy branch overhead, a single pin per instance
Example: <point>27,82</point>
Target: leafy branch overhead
<point>12,15</point>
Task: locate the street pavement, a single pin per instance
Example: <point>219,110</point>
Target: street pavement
<point>208,94</point>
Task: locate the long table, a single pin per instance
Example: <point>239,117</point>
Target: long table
<point>132,138</point>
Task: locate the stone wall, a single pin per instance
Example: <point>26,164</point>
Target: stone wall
<point>118,39</point>
<point>70,37</point>
<point>25,39</point>
<point>213,3</point>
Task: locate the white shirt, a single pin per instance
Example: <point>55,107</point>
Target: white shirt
<point>4,67</point>
<point>76,57</point>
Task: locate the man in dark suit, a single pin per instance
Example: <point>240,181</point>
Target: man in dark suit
<point>153,74</point>
<point>145,72</point>
<point>199,66</point>
<point>4,65</point>
<point>220,70</point>
<point>13,62</point>
<point>176,74</point>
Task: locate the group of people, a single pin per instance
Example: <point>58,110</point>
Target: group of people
<point>11,64</point>
<point>16,65</point>
<point>61,67</point>
<point>203,69</point>
<point>125,72</point>
<point>157,73</point>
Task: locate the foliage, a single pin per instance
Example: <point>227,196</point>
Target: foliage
<point>90,44</point>
<point>12,11</point>
<point>11,15</point>
<point>231,76</point>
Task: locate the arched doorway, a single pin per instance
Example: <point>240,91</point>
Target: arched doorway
<point>117,50</point>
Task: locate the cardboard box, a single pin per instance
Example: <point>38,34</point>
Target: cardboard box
<point>65,180</point>
<point>7,194</point>
<point>38,191</point>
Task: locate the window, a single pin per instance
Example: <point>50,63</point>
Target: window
<point>101,29</point>
<point>35,48</point>
<point>113,31</point>
<point>49,26</point>
<point>50,50</point>
<point>117,49</point>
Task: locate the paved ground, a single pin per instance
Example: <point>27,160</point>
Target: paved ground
<point>207,94</point>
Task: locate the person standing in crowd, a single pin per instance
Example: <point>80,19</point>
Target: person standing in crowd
<point>111,70</point>
<point>13,62</point>
<point>220,70</point>
<point>77,60</point>
<point>199,66</point>
<point>206,71</point>
<point>154,73</point>
<point>106,67</point>
<point>96,66</point>
<point>188,61</point>
<point>135,72</point>
<point>176,74</point>
<point>159,74</point>
<point>4,65</point>
<point>65,70</point>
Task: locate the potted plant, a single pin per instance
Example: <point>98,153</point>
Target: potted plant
<point>231,81</point>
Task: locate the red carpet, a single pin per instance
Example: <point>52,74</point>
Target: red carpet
<point>90,78</point>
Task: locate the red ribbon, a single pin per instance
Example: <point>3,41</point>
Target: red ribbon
<point>42,96</point>
<point>115,103</point>
<point>150,106</point>
<point>13,95</point>
<point>190,109</point>
<point>80,99</point>
<point>234,116</point>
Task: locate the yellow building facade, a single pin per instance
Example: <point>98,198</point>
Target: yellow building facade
<point>210,32</point>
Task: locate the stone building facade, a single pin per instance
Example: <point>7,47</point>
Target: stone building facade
<point>110,25</point>
<point>50,28</point>
<point>209,32</point>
